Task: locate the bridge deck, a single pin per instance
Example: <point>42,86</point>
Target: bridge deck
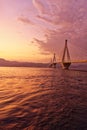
<point>79,61</point>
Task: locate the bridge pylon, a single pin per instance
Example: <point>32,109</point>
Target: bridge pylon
<point>66,62</point>
<point>53,62</point>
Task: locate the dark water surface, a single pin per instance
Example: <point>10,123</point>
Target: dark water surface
<point>43,99</point>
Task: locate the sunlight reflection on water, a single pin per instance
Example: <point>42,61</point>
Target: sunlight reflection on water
<point>42,99</point>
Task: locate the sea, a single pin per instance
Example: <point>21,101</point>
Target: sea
<point>43,98</point>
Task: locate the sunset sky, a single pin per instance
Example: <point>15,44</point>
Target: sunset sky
<point>32,30</point>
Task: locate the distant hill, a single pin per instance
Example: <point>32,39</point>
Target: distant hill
<point>79,66</point>
<point>8,63</point>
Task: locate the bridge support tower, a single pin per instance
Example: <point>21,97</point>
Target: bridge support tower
<point>66,62</point>
<point>54,63</point>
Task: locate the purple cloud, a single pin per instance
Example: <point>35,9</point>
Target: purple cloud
<point>25,20</point>
<point>40,6</point>
<point>71,16</point>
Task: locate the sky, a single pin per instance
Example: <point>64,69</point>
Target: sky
<point>33,30</point>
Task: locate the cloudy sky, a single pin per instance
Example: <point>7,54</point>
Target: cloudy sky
<point>32,30</point>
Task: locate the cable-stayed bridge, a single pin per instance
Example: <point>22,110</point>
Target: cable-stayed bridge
<point>80,61</point>
<point>65,60</point>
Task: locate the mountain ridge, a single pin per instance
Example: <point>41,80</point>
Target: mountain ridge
<point>8,63</point>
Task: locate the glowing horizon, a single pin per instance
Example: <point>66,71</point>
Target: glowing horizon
<point>33,30</point>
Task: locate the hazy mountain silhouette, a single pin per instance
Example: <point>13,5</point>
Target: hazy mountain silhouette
<point>8,63</point>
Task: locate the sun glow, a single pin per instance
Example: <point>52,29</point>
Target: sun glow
<point>22,22</point>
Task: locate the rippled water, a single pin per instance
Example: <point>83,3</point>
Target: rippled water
<point>43,99</point>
